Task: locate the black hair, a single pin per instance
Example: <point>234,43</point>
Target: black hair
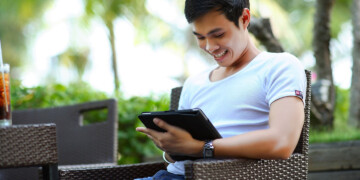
<point>232,9</point>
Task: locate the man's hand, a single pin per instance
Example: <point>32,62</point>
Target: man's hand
<point>174,141</point>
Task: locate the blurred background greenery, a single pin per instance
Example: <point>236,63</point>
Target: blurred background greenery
<point>70,51</point>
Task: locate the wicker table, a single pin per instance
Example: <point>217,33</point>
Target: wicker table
<point>30,145</point>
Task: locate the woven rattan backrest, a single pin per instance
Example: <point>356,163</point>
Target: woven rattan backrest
<point>303,144</point>
<point>25,145</point>
<point>77,144</point>
<point>175,97</point>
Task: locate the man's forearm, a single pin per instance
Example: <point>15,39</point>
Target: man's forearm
<point>262,144</point>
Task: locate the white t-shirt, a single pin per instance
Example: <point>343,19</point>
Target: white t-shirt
<point>241,102</point>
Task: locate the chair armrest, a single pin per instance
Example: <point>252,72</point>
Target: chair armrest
<point>131,171</point>
<point>293,168</point>
<point>86,166</point>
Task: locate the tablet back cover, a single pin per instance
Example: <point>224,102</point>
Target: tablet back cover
<point>193,120</point>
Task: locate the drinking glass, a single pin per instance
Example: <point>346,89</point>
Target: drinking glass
<point>5,111</point>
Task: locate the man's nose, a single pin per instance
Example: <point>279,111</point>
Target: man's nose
<point>211,46</point>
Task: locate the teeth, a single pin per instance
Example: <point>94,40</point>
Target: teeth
<point>219,55</point>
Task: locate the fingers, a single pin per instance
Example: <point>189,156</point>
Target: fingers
<point>156,136</point>
<point>171,141</point>
<point>162,124</point>
<point>141,129</point>
<point>148,131</point>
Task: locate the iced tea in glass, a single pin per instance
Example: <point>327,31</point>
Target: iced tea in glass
<point>5,111</point>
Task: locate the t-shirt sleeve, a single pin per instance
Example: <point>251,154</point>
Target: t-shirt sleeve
<point>286,78</point>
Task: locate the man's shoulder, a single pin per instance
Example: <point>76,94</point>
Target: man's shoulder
<point>284,59</point>
<point>280,56</point>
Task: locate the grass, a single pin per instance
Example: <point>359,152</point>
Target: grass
<point>341,131</point>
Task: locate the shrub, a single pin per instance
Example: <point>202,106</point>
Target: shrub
<point>133,147</point>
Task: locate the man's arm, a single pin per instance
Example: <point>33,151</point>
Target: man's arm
<point>277,142</point>
<point>286,119</point>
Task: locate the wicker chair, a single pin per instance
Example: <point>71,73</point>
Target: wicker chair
<point>90,145</point>
<point>29,146</point>
<point>296,167</point>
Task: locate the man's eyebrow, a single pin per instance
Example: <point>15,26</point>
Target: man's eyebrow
<point>197,34</point>
<point>209,33</point>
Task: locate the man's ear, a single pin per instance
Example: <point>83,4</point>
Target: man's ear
<point>244,19</point>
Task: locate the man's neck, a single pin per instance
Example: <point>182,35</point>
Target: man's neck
<point>248,55</point>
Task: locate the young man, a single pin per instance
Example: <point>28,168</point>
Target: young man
<point>253,98</point>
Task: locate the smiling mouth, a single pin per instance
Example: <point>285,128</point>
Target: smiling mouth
<point>220,54</point>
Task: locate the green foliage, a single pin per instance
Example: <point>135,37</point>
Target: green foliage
<point>52,95</point>
<point>133,147</point>
<point>94,116</point>
<point>341,131</point>
<point>17,19</point>
<point>342,105</point>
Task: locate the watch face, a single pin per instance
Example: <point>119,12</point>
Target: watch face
<point>208,153</point>
<point>208,150</point>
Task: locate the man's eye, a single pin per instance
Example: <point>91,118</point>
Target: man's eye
<point>200,38</point>
<point>219,35</point>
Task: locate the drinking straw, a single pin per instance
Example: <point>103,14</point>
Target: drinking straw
<point>3,79</point>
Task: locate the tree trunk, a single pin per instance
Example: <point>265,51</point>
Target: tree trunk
<point>354,114</point>
<point>323,91</point>
<point>110,26</point>
<point>261,29</point>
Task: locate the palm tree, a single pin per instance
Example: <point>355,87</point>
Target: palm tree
<point>109,11</point>
<point>73,58</point>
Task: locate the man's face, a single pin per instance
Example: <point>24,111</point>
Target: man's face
<point>221,38</point>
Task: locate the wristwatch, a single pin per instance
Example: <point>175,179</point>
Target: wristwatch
<point>208,149</point>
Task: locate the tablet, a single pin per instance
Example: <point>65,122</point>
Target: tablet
<point>192,120</point>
